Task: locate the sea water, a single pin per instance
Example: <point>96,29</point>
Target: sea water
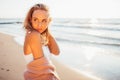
<point>85,44</point>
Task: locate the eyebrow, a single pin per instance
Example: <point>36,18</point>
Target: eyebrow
<point>42,19</point>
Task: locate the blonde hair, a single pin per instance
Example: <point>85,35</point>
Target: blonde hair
<point>27,21</point>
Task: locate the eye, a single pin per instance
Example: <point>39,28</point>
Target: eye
<point>44,20</point>
<point>35,19</point>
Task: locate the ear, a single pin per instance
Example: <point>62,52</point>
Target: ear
<point>50,19</point>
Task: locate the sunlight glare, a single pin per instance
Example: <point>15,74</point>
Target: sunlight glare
<point>90,52</point>
<point>93,23</point>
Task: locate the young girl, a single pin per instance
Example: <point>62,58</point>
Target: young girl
<point>37,37</point>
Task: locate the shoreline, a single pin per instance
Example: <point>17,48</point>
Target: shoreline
<point>13,62</point>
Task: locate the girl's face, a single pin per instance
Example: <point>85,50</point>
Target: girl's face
<point>40,20</point>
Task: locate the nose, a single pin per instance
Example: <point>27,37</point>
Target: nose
<point>40,24</point>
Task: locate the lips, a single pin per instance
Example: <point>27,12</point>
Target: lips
<point>39,28</point>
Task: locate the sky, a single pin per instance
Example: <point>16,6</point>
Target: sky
<point>63,8</point>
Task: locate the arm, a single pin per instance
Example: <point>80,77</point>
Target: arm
<point>34,41</point>
<point>52,45</point>
<point>26,48</point>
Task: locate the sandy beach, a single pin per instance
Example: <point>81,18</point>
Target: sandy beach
<point>12,63</point>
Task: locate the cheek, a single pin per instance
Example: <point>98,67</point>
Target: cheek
<point>34,25</point>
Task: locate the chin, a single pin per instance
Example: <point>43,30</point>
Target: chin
<point>39,30</point>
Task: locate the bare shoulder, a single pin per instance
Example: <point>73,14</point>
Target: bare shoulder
<point>33,35</point>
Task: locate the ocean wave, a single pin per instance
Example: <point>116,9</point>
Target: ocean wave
<point>96,36</point>
<point>88,42</point>
<point>11,22</point>
<point>88,27</point>
<point>110,35</point>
